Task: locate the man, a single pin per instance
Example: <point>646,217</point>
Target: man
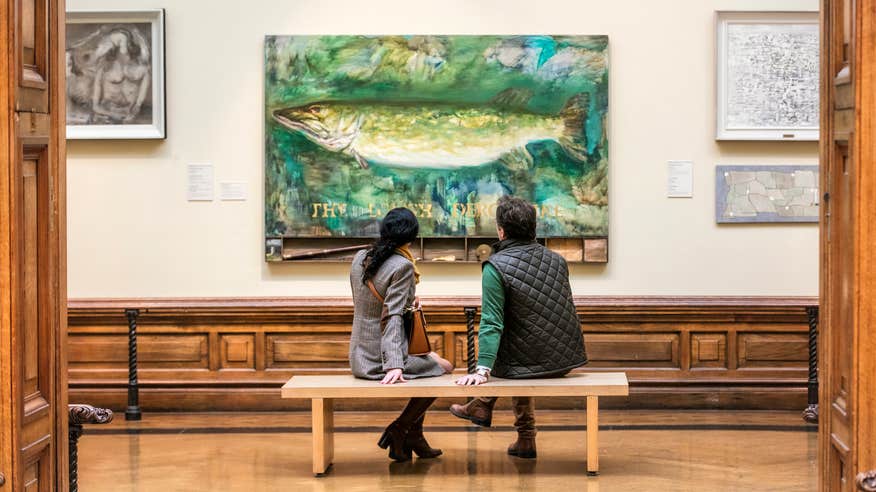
<point>529,327</point>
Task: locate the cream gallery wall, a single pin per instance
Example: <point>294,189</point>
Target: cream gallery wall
<point>185,216</point>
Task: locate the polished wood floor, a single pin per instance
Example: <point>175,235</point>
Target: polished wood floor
<point>639,451</point>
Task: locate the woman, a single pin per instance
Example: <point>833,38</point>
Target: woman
<point>383,354</point>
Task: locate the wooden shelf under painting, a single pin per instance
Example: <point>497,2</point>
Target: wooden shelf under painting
<point>427,249</point>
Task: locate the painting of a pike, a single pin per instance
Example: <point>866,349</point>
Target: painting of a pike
<point>443,124</point>
<point>439,135</point>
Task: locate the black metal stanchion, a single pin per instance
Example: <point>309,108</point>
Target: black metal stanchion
<point>78,415</point>
<point>811,413</point>
<point>471,357</point>
<point>133,411</point>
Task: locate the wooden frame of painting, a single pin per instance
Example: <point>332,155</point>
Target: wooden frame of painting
<point>769,193</point>
<point>127,47</point>
<point>767,75</point>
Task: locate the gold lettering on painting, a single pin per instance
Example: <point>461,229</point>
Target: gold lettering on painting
<point>425,210</point>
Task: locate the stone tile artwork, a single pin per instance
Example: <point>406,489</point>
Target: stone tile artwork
<point>766,194</point>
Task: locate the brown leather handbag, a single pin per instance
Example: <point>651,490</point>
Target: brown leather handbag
<point>414,324</point>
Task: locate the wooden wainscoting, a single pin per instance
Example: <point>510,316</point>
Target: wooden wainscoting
<point>234,354</point>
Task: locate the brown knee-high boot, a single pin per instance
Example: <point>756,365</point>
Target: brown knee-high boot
<point>524,421</point>
<point>415,441</point>
<point>396,433</point>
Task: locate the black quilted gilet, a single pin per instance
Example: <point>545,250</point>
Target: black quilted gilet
<point>542,334</point>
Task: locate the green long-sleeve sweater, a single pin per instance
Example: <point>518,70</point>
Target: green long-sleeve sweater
<point>492,316</point>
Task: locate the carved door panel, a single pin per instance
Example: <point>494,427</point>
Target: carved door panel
<point>33,405</point>
<point>31,55</point>
<point>848,270</point>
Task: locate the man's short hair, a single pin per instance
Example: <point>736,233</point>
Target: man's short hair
<point>516,217</point>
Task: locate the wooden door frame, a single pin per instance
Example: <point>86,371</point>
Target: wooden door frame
<point>862,153</point>
<point>865,125</point>
<point>55,280</point>
<point>58,103</point>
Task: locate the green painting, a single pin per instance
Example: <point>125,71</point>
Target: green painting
<point>444,125</point>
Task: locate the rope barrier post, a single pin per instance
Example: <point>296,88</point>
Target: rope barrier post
<point>78,415</point>
<point>471,357</point>
<point>133,411</point>
<point>811,413</point>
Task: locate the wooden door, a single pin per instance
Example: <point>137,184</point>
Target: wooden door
<point>848,239</point>
<point>33,402</point>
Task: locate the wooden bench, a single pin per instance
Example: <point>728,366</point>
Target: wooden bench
<point>323,390</point>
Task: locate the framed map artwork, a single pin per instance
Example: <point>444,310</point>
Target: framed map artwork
<point>766,194</point>
<point>767,75</point>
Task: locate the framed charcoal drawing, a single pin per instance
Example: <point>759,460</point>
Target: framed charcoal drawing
<point>444,125</point>
<point>767,75</point>
<point>766,194</point>
<point>115,74</point>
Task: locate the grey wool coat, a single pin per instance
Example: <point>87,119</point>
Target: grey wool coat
<point>372,354</point>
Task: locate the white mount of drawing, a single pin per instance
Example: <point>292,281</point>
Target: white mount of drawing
<point>782,22</point>
<point>157,130</point>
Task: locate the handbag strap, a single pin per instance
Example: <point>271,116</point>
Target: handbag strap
<point>374,291</point>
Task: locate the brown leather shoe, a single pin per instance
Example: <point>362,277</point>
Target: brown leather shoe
<point>524,447</point>
<point>476,411</point>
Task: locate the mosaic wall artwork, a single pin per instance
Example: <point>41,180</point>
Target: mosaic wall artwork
<point>766,194</point>
<point>445,125</point>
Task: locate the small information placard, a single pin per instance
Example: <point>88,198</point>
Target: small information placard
<point>200,182</point>
<point>232,191</point>
<point>680,183</point>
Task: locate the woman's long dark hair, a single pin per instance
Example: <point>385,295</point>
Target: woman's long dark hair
<point>398,228</point>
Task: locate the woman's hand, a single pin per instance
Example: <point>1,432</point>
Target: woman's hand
<point>394,376</point>
<point>471,380</point>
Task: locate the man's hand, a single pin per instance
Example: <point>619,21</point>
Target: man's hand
<point>394,376</point>
<point>471,380</point>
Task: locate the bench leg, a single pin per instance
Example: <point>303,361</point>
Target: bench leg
<point>593,435</point>
<point>323,435</point>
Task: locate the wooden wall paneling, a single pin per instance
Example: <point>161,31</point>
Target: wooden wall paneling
<point>260,349</point>
<point>460,350</point>
<point>630,350</point>
<point>732,352</point>
<point>685,353</point>
<point>772,350</point>
<point>300,336</point>
<point>708,350</point>
<point>450,350</point>
<point>288,350</point>
<point>237,351</point>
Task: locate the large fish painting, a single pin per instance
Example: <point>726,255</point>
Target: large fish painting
<point>444,125</point>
